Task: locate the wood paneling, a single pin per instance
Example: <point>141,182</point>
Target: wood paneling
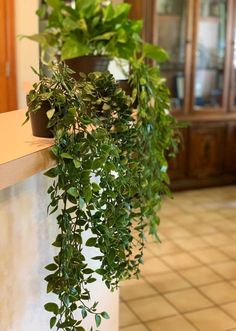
<point>206,150</point>
<point>7,57</point>
<point>3,57</point>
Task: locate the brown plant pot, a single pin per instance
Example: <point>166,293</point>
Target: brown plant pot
<point>87,64</point>
<point>39,121</point>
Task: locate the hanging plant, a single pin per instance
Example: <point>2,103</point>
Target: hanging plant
<point>109,179</point>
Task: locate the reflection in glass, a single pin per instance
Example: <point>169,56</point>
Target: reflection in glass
<point>210,54</point>
<point>171,24</point>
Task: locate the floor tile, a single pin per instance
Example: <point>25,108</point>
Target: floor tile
<point>168,282</point>
<point>180,261</point>
<point>152,308</point>
<point>165,248</point>
<point>201,229</point>
<point>191,244</point>
<point>185,219</point>
<point>139,327</point>
<point>212,319</point>
<point>218,239</point>
<point>230,251</point>
<point>220,293</point>
<point>188,300</point>
<point>176,232</point>
<point>134,289</point>
<point>200,276</point>
<point>230,308</point>
<point>127,317</point>
<point>226,269</point>
<point>153,266</point>
<point>210,255</point>
<point>176,323</point>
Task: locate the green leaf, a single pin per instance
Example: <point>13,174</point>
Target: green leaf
<point>84,313</point>
<point>155,52</point>
<point>105,315</point>
<point>72,48</point>
<point>50,113</point>
<point>96,187</point>
<point>77,163</point>
<point>54,3</point>
<point>53,321</point>
<point>52,173</point>
<point>51,267</point>
<point>73,192</point>
<point>98,320</point>
<point>91,242</point>
<point>51,307</point>
<point>87,193</point>
<point>66,156</point>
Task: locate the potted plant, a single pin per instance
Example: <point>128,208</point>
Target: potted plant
<point>90,33</point>
<point>52,96</point>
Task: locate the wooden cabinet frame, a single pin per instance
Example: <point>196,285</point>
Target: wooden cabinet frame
<point>7,56</point>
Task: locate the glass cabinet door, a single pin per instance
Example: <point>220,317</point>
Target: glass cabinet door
<point>210,55</point>
<point>171,35</point>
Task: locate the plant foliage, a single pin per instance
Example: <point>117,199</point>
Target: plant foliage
<point>111,161</point>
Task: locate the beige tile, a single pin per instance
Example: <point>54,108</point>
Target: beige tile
<point>230,308</point>
<point>200,229</point>
<point>152,308</point>
<point>191,244</point>
<point>180,261</point>
<point>228,212</point>
<point>139,327</point>
<point>176,232</point>
<point>212,319</point>
<point>210,255</point>
<point>226,226</point>
<point>218,239</point>
<point>176,323</point>
<point>230,251</point>
<point>210,217</point>
<point>226,269</point>
<point>153,266</point>
<point>220,293</point>
<point>134,289</point>
<point>185,218</point>
<point>165,248</point>
<point>127,317</point>
<point>188,300</point>
<point>233,282</point>
<point>168,282</point>
<point>200,276</point>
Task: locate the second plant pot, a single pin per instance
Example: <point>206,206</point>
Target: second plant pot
<point>87,64</point>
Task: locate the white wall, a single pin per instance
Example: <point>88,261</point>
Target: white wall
<point>27,55</point>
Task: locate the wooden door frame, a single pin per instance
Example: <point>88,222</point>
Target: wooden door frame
<point>8,52</point>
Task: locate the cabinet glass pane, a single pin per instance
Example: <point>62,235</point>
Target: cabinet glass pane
<point>171,35</point>
<point>211,42</point>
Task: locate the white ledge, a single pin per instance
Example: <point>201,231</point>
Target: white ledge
<point>21,154</point>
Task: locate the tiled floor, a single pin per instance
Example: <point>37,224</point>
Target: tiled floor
<point>189,281</point>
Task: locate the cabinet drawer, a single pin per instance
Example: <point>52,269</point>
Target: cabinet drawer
<point>206,154</point>
<point>230,158</point>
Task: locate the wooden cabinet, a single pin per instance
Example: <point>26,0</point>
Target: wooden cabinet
<point>200,37</point>
<point>206,149</point>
